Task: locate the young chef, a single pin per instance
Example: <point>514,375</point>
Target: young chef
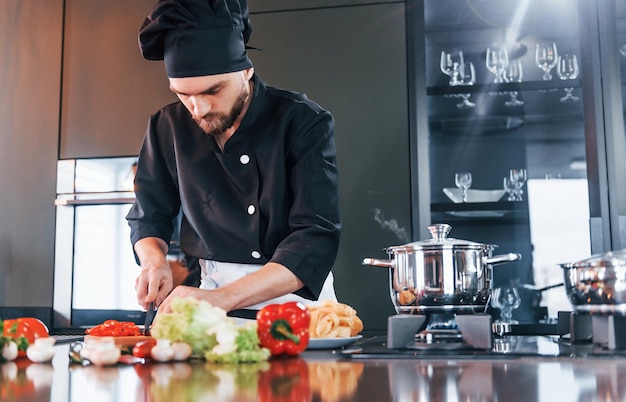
<point>252,167</point>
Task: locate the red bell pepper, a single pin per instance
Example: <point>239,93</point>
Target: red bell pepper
<point>284,328</point>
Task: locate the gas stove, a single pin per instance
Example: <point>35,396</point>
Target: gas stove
<point>474,336</point>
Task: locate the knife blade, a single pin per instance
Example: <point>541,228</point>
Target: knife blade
<point>150,313</point>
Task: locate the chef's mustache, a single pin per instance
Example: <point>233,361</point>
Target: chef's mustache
<point>208,117</point>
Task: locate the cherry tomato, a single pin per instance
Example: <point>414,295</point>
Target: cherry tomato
<point>143,348</point>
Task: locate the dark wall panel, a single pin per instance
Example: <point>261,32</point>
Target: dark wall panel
<point>352,60</point>
<point>30,50</point>
<point>109,90</point>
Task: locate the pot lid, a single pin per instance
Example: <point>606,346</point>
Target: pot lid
<point>440,240</point>
<point>612,259</point>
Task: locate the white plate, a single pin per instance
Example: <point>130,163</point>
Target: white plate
<point>331,343</point>
<point>473,195</point>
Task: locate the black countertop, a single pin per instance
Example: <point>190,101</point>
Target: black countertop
<point>509,374</point>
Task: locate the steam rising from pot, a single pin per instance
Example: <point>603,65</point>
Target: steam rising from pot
<point>390,225</point>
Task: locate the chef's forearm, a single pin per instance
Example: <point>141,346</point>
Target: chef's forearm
<point>150,250</point>
<point>273,280</point>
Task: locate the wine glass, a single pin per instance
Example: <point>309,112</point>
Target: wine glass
<point>506,299</point>
<point>514,73</point>
<point>468,77</point>
<point>509,187</point>
<point>546,57</point>
<point>451,63</point>
<point>463,181</point>
<point>496,60</point>
<point>567,69</point>
<point>518,178</point>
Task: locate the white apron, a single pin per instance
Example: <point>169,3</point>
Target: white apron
<point>216,274</point>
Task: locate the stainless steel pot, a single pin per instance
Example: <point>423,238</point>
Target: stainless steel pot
<point>597,284</point>
<point>441,274</point>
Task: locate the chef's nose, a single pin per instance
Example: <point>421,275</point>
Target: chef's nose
<point>200,108</point>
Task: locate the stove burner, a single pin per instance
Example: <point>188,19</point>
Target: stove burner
<point>608,330</point>
<point>463,331</point>
<point>439,339</point>
<point>441,321</point>
<point>410,337</point>
<point>430,336</point>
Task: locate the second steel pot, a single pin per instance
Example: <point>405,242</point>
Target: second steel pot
<point>597,284</point>
<point>441,274</point>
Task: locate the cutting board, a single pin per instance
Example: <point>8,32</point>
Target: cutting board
<point>124,340</point>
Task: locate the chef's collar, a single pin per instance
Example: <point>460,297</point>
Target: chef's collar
<point>197,37</point>
<point>258,91</point>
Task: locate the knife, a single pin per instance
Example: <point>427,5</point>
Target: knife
<point>150,313</point>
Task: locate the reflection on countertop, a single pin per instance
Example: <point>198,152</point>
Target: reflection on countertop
<point>320,376</point>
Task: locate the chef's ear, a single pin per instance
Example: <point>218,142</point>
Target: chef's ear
<point>248,73</point>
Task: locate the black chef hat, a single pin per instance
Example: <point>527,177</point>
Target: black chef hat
<point>197,37</point>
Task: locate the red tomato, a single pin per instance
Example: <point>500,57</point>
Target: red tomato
<point>28,327</point>
<point>39,328</point>
<point>143,348</point>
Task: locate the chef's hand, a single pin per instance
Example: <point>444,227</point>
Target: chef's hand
<point>191,292</point>
<point>154,282</point>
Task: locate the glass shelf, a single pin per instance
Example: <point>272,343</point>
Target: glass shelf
<point>509,86</point>
<point>479,206</point>
<point>505,211</point>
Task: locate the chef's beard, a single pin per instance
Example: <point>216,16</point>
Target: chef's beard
<point>215,124</point>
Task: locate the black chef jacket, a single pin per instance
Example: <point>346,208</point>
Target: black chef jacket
<point>270,196</point>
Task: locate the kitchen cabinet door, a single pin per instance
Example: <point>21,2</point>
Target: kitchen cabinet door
<point>108,90</point>
<point>503,87</point>
<point>612,67</point>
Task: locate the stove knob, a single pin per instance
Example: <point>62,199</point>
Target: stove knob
<point>501,328</point>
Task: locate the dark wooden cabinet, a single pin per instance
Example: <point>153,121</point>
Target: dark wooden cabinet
<point>108,89</point>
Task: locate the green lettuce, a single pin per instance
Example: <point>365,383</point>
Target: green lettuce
<point>210,332</point>
<point>244,349</point>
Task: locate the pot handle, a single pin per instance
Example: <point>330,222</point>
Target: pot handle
<point>501,259</point>
<point>378,263</point>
